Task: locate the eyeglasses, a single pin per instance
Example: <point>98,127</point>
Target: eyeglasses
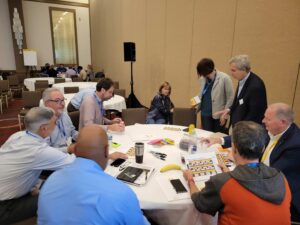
<point>58,101</point>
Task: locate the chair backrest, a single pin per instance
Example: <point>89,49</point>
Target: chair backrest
<point>96,79</point>
<point>21,78</point>
<point>99,75</point>
<point>184,116</point>
<point>59,80</point>
<point>13,80</point>
<point>31,98</point>
<point>116,84</point>
<point>75,118</point>
<point>69,90</point>
<point>4,86</point>
<point>41,84</point>
<point>120,92</point>
<point>77,79</point>
<point>134,115</point>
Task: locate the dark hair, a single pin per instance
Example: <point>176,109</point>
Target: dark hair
<point>249,138</point>
<point>165,84</point>
<point>79,68</point>
<point>205,67</point>
<point>104,83</point>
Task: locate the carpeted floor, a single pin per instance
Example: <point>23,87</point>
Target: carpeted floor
<point>9,119</point>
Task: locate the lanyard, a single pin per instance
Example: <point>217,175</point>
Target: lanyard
<point>252,164</point>
<point>99,102</point>
<point>207,85</point>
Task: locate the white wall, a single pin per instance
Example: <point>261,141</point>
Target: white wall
<point>7,59</point>
<point>38,33</point>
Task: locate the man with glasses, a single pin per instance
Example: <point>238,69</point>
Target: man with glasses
<point>64,131</point>
<point>22,158</point>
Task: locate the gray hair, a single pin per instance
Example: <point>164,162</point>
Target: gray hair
<point>242,62</point>
<point>47,92</point>
<point>284,111</point>
<point>249,138</point>
<point>36,117</point>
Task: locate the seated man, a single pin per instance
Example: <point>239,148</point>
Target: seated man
<point>283,149</point>
<point>92,111</point>
<point>75,102</point>
<point>64,131</point>
<point>252,193</point>
<point>84,187</point>
<point>22,158</point>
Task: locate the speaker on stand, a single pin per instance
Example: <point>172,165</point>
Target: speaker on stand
<point>129,56</point>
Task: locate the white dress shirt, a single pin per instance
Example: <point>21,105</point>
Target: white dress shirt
<point>22,158</point>
<point>242,83</point>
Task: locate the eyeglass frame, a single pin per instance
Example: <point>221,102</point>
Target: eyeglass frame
<point>58,101</point>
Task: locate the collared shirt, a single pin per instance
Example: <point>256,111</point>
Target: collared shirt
<point>92,113</point>
<point>78,98</point>
<point>70,72</point>
<point>22,158</point>
<point>63,131</point>
<point>272,143</point>
<point>242,83</point>
<point>85,188</point>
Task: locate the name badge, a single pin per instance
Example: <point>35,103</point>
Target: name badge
<point>241,101</point>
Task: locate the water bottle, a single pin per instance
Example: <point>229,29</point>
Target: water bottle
<point>193,139</point>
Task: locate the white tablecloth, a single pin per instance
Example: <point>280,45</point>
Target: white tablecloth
<point>151,196</point>
<point>81,85</point>
<point>117,102</point>
<point>29,82</point>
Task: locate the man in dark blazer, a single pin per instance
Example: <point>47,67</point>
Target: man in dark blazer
<point>282,149</point>
<point>250,101</point>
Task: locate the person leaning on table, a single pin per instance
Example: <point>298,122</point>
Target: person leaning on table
<point>83,193</point>
<point>252,193</point>
<point>22,158</point>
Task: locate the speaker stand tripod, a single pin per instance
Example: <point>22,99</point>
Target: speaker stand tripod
<point>132,101</point>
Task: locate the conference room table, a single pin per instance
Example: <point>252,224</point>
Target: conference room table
<point>81,85</point>
<point>152,196</point>
<point>29,82</point>
<point>117,102</point>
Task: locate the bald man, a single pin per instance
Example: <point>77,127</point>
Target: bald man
<point>84,187</point>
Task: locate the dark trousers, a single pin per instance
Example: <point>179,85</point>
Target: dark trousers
<point>15,210</point>
<point>210,124</point>
<point>71,108</point>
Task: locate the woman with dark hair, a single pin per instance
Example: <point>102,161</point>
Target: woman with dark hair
<point>161,106</point>
<point>216,93</point>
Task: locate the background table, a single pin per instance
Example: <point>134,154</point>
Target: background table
<point>81,85</point>
<point>151,196</point>
<point>117,102</point>
<point>29,82</point>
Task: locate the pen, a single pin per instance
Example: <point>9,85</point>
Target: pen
<point>146,176</point>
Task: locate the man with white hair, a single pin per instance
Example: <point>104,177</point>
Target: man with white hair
<point>250,101</point>
<point>22,158</point>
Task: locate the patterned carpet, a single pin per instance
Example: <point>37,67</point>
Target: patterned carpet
<point>9,119</point>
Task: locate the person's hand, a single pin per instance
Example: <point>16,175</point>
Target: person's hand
<point>172,110</point>
<point>71,148</point>
<point>223,167</point>
<point>187,174</point>
<point>119,127</point>
<point>211,140</point>
<point>223,115</point>
<point>117,155</point>
<point>117,120</point>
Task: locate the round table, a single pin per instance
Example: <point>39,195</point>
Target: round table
<point>81,85</point>
<point>117,102</point>
<point>29,82</point>
<point>151,196</point>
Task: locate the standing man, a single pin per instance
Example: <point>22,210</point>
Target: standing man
<point>250,101</point>
<point>85,188</point>
<point>252,193</point>
<point>92,111</point>
<point>22,158</point>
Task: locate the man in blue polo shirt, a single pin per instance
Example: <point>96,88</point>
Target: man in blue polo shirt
<point>83,193</point>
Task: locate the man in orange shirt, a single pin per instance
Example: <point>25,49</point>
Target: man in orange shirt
<point>252,193</point>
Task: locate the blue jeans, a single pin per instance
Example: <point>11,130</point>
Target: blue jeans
<point>158,121</point>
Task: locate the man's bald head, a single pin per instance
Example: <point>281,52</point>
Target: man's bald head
<point>283,111</point>
<point>92,144</point>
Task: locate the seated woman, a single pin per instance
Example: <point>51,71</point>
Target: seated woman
<point>161,106</point>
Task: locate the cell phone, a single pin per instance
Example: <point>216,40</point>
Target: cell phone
<point>117,162</point>
<point>186,129</point>
<point>178,186</point>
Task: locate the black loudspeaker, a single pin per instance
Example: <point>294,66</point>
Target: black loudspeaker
<point>129,51</point>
